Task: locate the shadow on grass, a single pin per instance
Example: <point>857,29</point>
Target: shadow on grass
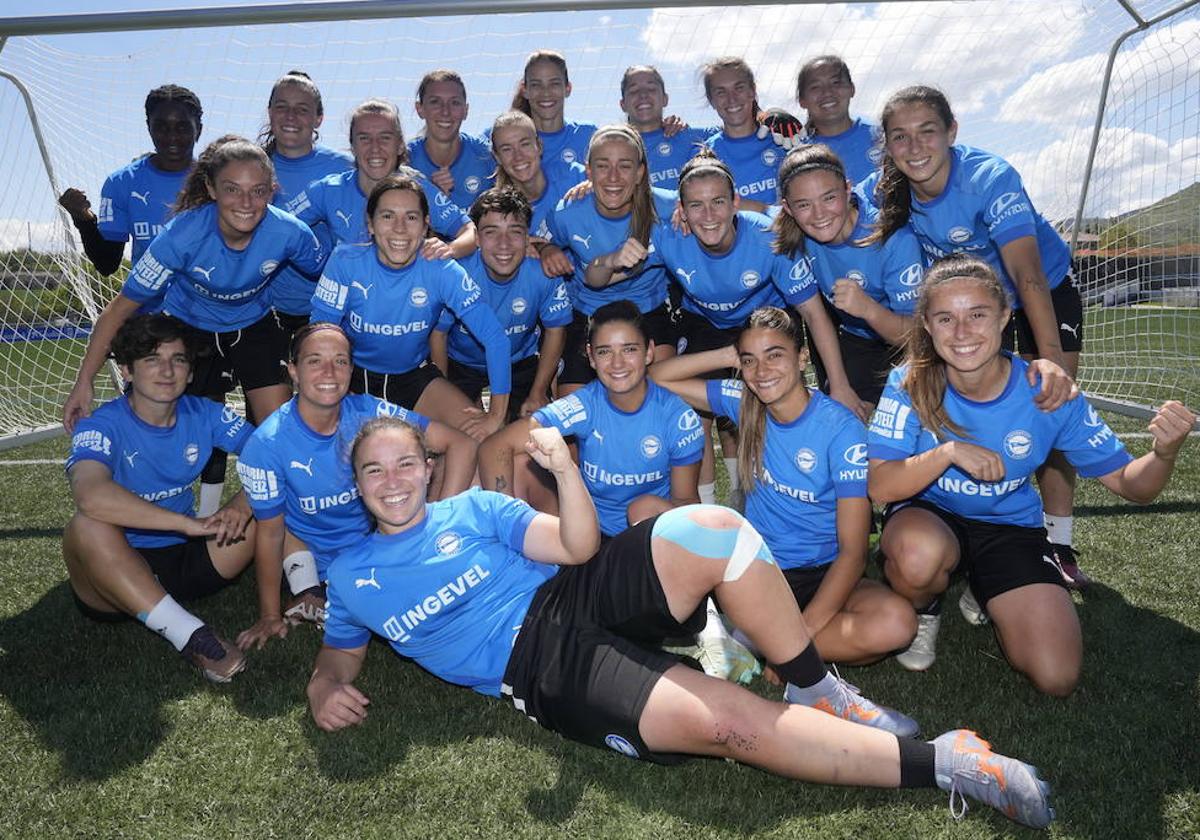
<point>94,693</point>
<point>1119,508</point>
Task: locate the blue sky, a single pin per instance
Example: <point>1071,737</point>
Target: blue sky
<point>1022,76</point>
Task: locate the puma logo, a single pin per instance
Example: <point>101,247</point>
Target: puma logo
<point>129,456</point>
<point>686,275</point>
<point>586,240</point>
<point>364,289</point>
<point>359,583</point>
<point>207,272</point>
<point>142,197</point>
<point>345,217</point>
<point>1073,330</point>
<point>296,465</point>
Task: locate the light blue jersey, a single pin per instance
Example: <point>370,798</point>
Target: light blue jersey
<point>754,163</point>
<point>665,156</point>
<point>569,144</point>
<point>1009,425</point>
<point>521,304</point>
<point>287,468</point>
<point>158,464</point>
<point>388,313</point>
<point>623,455</point>
<point>560,177</point>
<point>808,465</point>
<point>472,170</point>
<point>338,202</point>
<point>291,291</point>
<point>136,202</point>
<point>860,148</point>
<point>724,288</point>
<point>579,229</point>
<point>984,207</point>
<point>890,273</point>
<point>450,593</point>
<point>189,271</point>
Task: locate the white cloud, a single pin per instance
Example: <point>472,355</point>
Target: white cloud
<point>1132,169</point>
<point>974,51</point>
<point>19,233</point>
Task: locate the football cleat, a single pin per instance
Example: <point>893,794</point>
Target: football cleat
<point>216,659</point>
<point>308,606</point>
<point>970,609</point>
<point>834,696</point>
<point>919,655</point>
<point>965,765</point>
<point>1068,566</point>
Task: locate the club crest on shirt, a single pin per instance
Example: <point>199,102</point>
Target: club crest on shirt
<point>1018,443</point>
<point>418,296</point>
<point>664,149</point>
<point>958,235</point>
<point>651,446</point>
<point>472,183</point>
<point>769,157</point>
<point>750,279</point>
<point>191,453</point>
<point>806,460</point>
<point>448,543</point>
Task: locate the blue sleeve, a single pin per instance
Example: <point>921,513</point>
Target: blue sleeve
<point>1009,212</point>
<point>92,441</point>
<point>466,301</point>
<point>309,206</point>
<point>558,233</point>
<point>262,478</point>
<point>793,278</point>
<point>329,298</point>
<point>230,431</point>
<point>568,414</point>
<point>511,517</point>
<point>341,630</point>
<point>444,322</point>
<point>148,279</point>
<point>903,269</point>
<point>445,217</point>
<point>112,217</point>
<point>895,427</point>
<point>306,250</point>
<point>687,444</point>
<point>556,306</point>
<point>724,397</point>
<point>383,408</point>
<point>848,460</point>
<point>1087,441</point>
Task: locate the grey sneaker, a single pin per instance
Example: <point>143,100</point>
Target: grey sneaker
<point>833,695</point>
<point>965,765</point>
<point>920,654</point>
<point>970,609</point>
<point>216,658</point>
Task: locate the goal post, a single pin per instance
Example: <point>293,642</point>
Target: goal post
<point>1094,102</point>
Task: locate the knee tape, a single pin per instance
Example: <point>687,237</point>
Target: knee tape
<point>741,546</point>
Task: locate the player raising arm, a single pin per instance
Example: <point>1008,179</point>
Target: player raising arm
<point>132,548</point>
<point>528,609</point>
<point>960,429</point>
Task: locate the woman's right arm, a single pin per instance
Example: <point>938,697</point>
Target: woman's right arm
<point>680,374</point>
<point>79,401</point>
<point>268,574</point>
<point>892,481</point>
<point>496,455</point>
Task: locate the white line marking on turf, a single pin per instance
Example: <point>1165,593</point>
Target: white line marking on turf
<point>34,462</point>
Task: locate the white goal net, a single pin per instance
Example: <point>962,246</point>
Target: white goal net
<point>1025,79</point>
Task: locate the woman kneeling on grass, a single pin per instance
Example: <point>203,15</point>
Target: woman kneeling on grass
<point>959,432</point>
<point>471,589</point>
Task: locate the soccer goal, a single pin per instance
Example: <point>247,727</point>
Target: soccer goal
<point>1096,102</point>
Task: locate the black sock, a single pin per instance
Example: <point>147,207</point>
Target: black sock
<point>934,608</point>
<point>806,669</point>
<point>916,763</point>
<point>214,469</point>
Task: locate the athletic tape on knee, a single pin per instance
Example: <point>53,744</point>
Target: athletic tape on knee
<point>740,546</point>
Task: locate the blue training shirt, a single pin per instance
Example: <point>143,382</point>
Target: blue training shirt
<point>159,464</point>
<point>623,455</point>
<point>560,177</point>
<point>450,593</point>
<point>1010,425</point>
<point>579,229</point>
<point>754,163</point>
<point>725,288</point>
<point>292,291</point>
<point>860,148</point>
<point>808,464</point>
<point>569,144</point>
<point>287,468</point>
<point>889,272</point>
<point>189,272</point>
<point>136,202</point>
<point>984,207</point>
<point>388,313</point>
<point>473,170</point>
<point>338,202</point>
<point>521,304</point>
<point>665,156</point>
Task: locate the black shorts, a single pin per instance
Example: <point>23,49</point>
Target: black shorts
<point>994,557</point>
<point>1068,312</point>
<point>185,570</point>
<point>585,660</point>
<point>472,382</point>
<point>253,357</point>
<point>697,334</point>
<point>290,322</point>
<point>868,361</point>
<point>575,369</point>
<point>402,389</point>
<point>804,582</point>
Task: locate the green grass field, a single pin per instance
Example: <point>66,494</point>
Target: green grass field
<point>106,733</point>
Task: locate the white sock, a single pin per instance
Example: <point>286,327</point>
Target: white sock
<point>708,493</point>
<point>731,467</point>
<point>171,621</point>
<point>1059,528</point>
<point>300,567</point>
<point>210,499</point>
<point>714,627</point>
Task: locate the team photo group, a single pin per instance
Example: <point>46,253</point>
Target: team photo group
<point>490,383</point>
